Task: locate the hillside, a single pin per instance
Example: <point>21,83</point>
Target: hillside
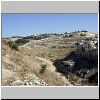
<point>33,63</point>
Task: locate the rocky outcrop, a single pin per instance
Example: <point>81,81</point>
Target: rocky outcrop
<point>32,80</point>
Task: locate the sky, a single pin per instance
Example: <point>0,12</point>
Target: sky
<point>33,24</point>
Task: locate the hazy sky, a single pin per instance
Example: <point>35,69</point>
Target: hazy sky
<point>29,24</point>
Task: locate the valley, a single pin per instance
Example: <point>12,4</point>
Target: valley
<point>50,60</point>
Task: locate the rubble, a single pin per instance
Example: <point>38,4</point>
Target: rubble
<point>31,81</point>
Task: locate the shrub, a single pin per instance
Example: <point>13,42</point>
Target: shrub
<point>84,31</point>
<point>21,41</point>
<point>65,33</point>
<point>82,34</point>
<point>13,45</point>
<point>70,35</point>
<point>43,68</point>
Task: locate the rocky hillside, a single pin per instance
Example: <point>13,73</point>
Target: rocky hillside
<point>31,60</point>
<point>25,65</point>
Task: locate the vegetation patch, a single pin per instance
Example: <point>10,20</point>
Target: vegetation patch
<point>21,41</point>
<point>43,68</point>
<point>13,45</point>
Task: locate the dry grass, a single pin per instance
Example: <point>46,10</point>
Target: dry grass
<point>45,52</point>
<point>7,77</point>
<point>29,59</point>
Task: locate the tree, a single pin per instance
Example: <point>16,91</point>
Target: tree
<point>65,33</point>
